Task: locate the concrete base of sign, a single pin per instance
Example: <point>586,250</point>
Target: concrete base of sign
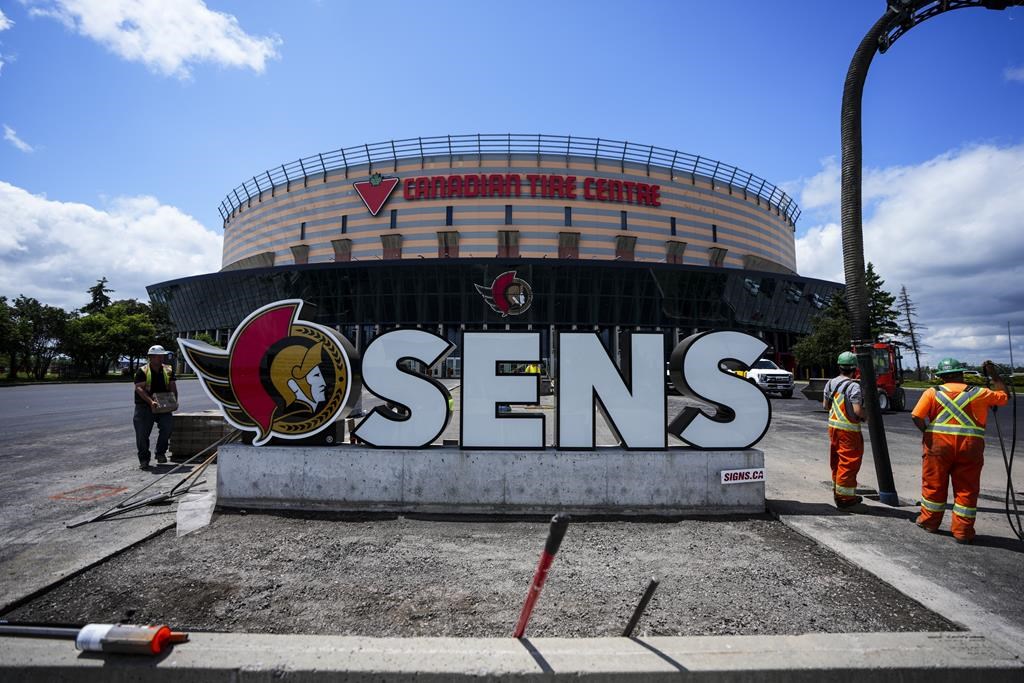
<point>450,480</point>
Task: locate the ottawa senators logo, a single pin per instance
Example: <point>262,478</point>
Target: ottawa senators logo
<point>280,376</point>
<point>508,294</point>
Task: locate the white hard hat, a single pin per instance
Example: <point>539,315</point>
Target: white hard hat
<point>156,350</point>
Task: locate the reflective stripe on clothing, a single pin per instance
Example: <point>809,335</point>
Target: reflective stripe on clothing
<point>932,505</point>
<point>838,417</point>
<point>964,511</point>
<point>846,490</point>
<point>954,418</point>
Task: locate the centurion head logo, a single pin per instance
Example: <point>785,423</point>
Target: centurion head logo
<point>508,294</point>
<point>280,376</point>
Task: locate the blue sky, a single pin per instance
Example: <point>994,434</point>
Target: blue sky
<point>126,122</point>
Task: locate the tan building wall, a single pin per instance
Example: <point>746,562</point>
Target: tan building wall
<point>707,215</point>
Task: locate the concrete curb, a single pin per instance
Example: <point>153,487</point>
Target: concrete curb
<point>210,657</point>
<point>605,480</point>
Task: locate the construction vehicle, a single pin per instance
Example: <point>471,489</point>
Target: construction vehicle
<point>888,376</point>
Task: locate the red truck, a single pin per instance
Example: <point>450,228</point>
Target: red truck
<point>888,376</point>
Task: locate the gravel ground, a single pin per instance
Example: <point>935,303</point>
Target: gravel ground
<point>416,577</point>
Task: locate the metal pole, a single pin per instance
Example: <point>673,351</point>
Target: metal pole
<point>853,251</point>
<point>641,607</point>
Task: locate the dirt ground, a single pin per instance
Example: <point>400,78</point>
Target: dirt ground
<point>421,577</point>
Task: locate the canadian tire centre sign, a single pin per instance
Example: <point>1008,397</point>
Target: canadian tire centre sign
<point>376,190</point>
<point>285,377</point>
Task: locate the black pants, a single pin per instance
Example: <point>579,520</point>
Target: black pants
<point>144,420</point>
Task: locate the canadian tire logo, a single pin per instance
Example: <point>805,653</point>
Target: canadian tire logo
<point>508,294</point>
<point>375,191</point>
<point>280,376</point>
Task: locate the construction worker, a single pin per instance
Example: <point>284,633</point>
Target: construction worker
<point>842,399</point>
<point>952,419</point>
<point>155,377</point>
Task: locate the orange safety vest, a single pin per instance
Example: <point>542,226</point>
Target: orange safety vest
<point>838,418</point>
<point>954,418</point>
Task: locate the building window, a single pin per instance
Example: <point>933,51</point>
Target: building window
<point>568,216</point>
<point>716,256</point>
<point>674,251</point>
<point>302,230</point>
<point>672,225</point>
<point>342,250</point>
<point>624,247</point>
<point>714,232</point>
<point>508,214</point>
<point>344,224</point>
<point>568,244</point>
<point>448,244</point>
<point>300,254</point>
<point>392,245</point>
<point>449,214</point>
<point>394,218</point>
<point>508,244</point>
<point>622,220</point>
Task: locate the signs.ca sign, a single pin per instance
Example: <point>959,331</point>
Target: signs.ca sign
<point>285,377</point>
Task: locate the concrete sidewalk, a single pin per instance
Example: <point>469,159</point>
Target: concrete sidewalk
<point>979,586</point>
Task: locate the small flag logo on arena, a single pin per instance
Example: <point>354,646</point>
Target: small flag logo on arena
<point>375,191</point>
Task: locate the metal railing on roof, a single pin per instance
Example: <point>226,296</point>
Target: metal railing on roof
<point>380,155</point>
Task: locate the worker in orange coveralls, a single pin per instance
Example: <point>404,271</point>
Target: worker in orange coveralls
<point>842,398</point>
<point>952,418</point>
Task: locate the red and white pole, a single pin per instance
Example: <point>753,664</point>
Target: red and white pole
<point>559,525</point>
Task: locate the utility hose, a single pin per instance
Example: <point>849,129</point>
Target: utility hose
<point>1013,512</point>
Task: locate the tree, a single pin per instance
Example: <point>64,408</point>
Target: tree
<point>39,331</point>
<point>6,331</point>
<point>830,335</point>
<point>913,328</point>
<point>831,332</point>
<point>883,316</point>
<point>100,297</point>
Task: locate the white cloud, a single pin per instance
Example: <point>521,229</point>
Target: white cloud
<point>12,137</point>
<point>952,230</point>
<point>1014,73</point>
<point>5,23</point>
<point>54,250</point>
<point>168,37</point>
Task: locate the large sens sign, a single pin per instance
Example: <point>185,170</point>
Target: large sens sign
<point>289,378</point>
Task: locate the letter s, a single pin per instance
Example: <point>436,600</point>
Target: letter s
<point>424,397</point>
<point>743,412</point>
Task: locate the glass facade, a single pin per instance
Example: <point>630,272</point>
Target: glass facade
<point>362,298</point>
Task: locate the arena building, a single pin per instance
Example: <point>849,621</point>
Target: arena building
<point>603,235</point>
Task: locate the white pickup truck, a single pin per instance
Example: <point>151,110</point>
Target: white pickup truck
<point>771,378</point>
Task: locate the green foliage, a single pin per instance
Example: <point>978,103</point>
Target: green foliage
<point>100,297</point>
<point>831,331</point>
<point>207,339</point>
<point>123,329</point>
<point>883,316</point>
<point>829,336</point>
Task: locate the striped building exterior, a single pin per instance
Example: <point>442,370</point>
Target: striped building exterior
<point>301,223</point>
<point>611,236</point>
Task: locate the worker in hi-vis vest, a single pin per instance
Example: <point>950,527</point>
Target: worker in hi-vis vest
<point>952,419</point>
<point>842,399</point>
<point>155,377</point>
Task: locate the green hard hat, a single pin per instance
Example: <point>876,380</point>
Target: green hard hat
<point>949,366</point>
<point>847,360</point>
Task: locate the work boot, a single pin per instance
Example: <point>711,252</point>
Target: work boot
<point>963,541</point>
<point>161,459</point>
<point>843,503</point>
<point>144,465</point>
